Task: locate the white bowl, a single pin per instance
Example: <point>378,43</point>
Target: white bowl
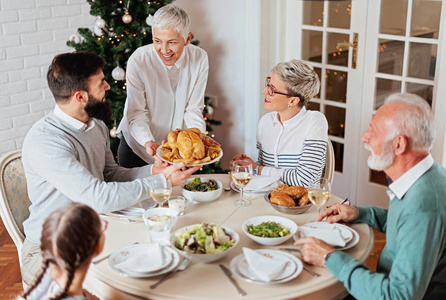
<point>270,241</point>
<point>160,211</point>
<point>200,257</point>
<point>203,196</point>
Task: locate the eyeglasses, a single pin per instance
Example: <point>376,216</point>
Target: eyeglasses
<point>104,225</point>
<point>270,89</point>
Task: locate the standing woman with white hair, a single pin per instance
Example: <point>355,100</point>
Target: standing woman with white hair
<point>292,140</point>
<point>166,82</point>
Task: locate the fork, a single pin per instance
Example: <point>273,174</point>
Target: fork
<point>183,266</point>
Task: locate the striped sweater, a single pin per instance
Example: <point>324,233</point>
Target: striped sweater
<point>294,150</point>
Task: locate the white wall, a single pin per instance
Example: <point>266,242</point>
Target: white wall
<point>32,32</point>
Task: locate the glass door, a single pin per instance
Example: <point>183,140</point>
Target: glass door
<point>403,57</point>
<point>363,53</point>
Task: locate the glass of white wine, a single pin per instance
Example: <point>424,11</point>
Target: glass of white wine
<point>241,173</point>
<point>319,192</point>
<point>160,190</point>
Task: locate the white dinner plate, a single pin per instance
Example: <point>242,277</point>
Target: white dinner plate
<point>171,261</point>
<point>235,188</point>
<point>290,268</point>
<point>159,153</point>
<point>136,210</point>
<point>240,267</point>
<point>350,235</point>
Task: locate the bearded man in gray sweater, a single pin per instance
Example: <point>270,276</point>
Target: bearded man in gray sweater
<point>66,155</point>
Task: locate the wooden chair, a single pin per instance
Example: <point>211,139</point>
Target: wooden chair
<point>14,201</point>
<point>329,162</point>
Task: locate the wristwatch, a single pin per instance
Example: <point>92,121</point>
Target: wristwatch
<point>326,256</point>
<point>256,170</point>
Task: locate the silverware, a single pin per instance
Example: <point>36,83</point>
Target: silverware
<point>107,256</point>
<point>229,275</point>
<point>227,189</point>
<point>183,266</point>
<point>290,249</point>
<point>314,274</point>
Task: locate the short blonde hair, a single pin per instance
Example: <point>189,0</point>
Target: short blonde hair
<point>300,79</point>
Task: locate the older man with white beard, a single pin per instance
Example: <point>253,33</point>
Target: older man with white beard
<point>412,265</point>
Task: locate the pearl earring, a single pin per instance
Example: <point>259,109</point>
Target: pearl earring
<point>289,105</point>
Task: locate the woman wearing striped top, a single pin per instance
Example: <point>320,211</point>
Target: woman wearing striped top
<point>292,140</point>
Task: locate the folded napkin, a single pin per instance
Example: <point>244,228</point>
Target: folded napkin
<point>260,182</point>
<point>265,268</point>
<point>146,259</point>
<point>330,236</point>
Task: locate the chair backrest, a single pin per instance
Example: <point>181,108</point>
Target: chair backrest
<point>329,162</point>
<point>14,201</point>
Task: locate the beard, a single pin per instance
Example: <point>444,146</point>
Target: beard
<point>96,108</point>
<point>383,161</point>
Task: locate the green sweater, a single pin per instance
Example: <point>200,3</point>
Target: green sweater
<point>412,265</point>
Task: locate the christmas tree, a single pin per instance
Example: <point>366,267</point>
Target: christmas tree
<point>120,28</point>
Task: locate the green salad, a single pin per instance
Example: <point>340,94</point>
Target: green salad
<point>196,185</point>
<point>268,230</point>
<point>204,239</point>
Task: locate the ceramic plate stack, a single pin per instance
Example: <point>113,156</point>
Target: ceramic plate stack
<point>239,266</point>
<point>169,262</point>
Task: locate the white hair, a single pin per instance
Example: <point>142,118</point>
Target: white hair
<point>172,17</point>
<point>415,122</point>
<point>300,79</point>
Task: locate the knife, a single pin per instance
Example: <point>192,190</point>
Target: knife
<point>290,249</point>
<point>229,275</point>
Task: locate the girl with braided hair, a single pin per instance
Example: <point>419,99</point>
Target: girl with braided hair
<point>71,237</point>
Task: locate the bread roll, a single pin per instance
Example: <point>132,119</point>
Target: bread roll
<point>279,188</point>
<point>282,199</point>
<point>304,200</point>
<point>295,191</point>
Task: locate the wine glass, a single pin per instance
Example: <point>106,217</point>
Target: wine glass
<point>241,173</point>
<point>160,190</point>
<point>319,192</point>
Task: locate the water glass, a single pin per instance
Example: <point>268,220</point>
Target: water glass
<point>177,203</point>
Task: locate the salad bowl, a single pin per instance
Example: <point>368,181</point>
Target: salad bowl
<point>269,241</point>
<point>183,235</point>
<point>200,196</point>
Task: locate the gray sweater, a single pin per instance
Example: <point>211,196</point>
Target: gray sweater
<point>63,164</point>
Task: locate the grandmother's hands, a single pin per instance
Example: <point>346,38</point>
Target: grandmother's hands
<point>243,157</point>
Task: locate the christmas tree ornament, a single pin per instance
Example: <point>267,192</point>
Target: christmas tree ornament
<point>97,30</point>
<point>75,38</point>
<point>149,20</point>
<point>210,111</point>
<point>126,18</point>
<point>118,73</point>
<point>113,130</point>
<point>100,22</point>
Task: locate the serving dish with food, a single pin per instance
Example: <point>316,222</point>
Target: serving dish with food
<point>204,242</point>
<point>202,189</point>
<point>287,199</point>
<point>191,147</point>
<point>269,230</point>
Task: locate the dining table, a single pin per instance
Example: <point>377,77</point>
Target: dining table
<point>207,280</point>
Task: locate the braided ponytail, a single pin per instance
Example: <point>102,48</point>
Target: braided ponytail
<point>69,238</point>
<point>37,280</point>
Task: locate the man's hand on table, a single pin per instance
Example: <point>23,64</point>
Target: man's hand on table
<point>314,250</point>
<point>339,213</point>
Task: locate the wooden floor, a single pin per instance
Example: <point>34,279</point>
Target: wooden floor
<point>11,280</point>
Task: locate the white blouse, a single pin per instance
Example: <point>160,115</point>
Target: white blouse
<point>158,102</point>
<point>295,150</point>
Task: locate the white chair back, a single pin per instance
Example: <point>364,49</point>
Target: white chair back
<point>329,162</point>
<point>14,201</point>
